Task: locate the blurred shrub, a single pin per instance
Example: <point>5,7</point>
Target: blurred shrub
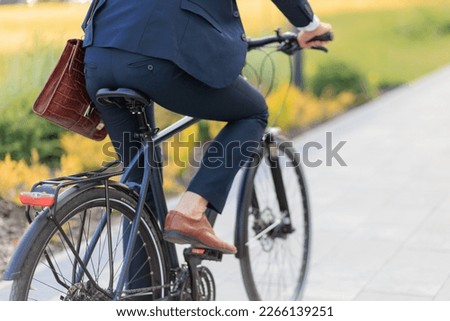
<point>335,77</point>
<point>386,85</point>
<point>17,176</point>
<point>294,110</point>
<point>83,154</point>
<point>22,77</point>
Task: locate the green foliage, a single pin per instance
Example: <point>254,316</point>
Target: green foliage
<point>423,24</point>
<point>335,77</point>
<point>388,46</point>
<point>23,76</point>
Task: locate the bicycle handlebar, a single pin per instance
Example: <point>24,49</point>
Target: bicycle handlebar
<point>288,42</point>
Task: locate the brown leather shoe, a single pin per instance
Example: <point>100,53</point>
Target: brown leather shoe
<point>182,229</point>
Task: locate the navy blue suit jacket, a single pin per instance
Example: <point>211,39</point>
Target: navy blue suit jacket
<point>203,37</point>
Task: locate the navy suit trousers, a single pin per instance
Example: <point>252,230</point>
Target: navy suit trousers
<point>240,105</point>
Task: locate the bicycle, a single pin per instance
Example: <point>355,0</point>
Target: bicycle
<point>87,230</point>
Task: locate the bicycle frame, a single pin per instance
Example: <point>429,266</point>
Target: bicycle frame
<point>151,179</point>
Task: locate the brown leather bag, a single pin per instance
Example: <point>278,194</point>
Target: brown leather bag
<point>64,100</point>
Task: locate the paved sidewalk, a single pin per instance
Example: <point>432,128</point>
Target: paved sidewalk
<point>381,225</point>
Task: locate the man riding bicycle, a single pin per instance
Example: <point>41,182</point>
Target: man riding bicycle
<point>187,56</point>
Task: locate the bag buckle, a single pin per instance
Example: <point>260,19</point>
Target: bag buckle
<point>89,110</point>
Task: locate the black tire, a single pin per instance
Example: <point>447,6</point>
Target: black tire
<point>79,217</point>
<point>274,265</point>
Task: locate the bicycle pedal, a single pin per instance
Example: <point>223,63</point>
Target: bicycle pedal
<point>204,254</point>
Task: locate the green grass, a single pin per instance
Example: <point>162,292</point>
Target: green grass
<point>393,46</point>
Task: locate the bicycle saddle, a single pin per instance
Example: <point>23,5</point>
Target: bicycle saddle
<point>122,97</point>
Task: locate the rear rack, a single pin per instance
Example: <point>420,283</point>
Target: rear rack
<point>45,193</point>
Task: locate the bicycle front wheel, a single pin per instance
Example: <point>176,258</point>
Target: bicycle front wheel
<point>273,233</point>
<point>95,232</point>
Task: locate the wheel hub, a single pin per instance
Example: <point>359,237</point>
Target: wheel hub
<point>266,219</point>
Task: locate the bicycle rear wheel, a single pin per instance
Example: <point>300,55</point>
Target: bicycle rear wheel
<point>52,272</point>
<point>273,231</point>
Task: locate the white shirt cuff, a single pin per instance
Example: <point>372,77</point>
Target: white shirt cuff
<point>313,25</point>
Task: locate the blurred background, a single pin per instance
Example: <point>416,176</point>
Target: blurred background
<point>380,45</point>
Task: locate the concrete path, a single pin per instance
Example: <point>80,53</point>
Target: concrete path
<point>381,224</point>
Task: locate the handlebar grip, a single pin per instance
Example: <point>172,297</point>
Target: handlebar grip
<point>329,36</point>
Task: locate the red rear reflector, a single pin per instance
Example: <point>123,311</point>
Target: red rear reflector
<point>37,199</point>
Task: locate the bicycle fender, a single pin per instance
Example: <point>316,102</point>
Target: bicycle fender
<point>272,135</point>
<point>239,225</point>
<point>245,183</point>
<point>28,240</point>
